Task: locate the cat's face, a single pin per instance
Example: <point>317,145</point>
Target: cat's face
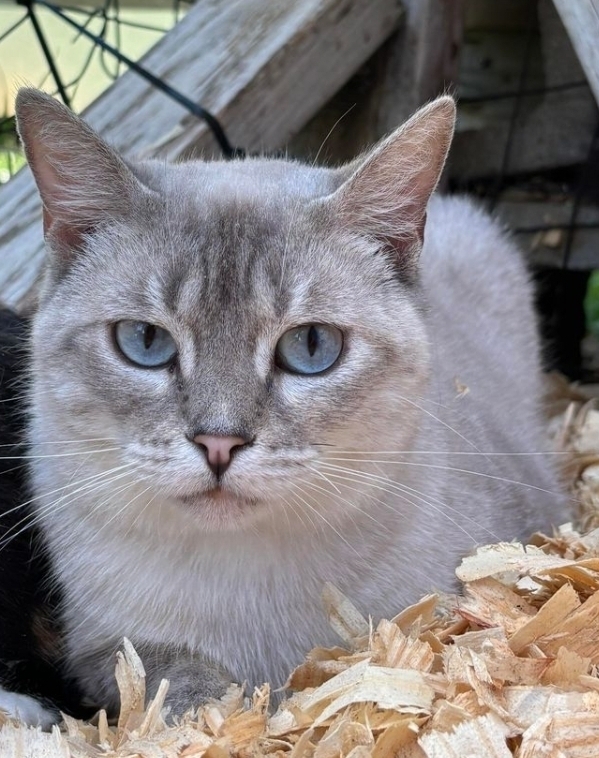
<point>247,300</point>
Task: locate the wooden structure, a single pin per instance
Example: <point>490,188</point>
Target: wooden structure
<point>331,77</point>
<point>581,19</point>
<point>519,47</point>
<point>264,69</point>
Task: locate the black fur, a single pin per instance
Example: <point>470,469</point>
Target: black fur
<point>30,639</point>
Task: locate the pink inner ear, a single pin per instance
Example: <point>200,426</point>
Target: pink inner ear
<point>83,183</point>
<point>43,161</point>
<point>388,194</point>
<point>67,235</point>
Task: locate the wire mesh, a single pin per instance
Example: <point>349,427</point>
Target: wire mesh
<point>106,27</point>
<point>102,28</point>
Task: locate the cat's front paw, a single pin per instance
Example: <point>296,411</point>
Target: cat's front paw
<point>192,682</point>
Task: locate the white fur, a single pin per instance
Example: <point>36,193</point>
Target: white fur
<point>26,709</point>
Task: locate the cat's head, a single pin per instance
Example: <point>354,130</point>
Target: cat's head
<point>230,325</point>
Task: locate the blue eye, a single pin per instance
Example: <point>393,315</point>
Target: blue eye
<point>309,349</point>
<point>146,345</point>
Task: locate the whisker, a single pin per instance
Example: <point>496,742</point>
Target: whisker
<point>397,512</point>
<point>297,513</point>
<point>441,452</point>
<point>418,494</point>
<point>459,471</point>
<point>324,477</point>
<point>32,519</point>
<point>331,130</point>
<point>326,521</point>
<point>64,487</point>
<point>337,494</point>
<point>78,441</point>
<point>57,455</point>
<point>143,510</point>
<point>404,496</point>
<point>63,442</point>
<point>443,423</point>
<point>124,508</point>
<point>114,492</point>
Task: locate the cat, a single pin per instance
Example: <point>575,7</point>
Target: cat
<point>259,376</point>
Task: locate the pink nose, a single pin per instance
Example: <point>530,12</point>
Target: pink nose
<point>218,449</point>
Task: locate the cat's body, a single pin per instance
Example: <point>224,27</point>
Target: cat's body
<point>375,473</point>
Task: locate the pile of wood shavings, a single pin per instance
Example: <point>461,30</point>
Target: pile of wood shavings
<point>509,668</point>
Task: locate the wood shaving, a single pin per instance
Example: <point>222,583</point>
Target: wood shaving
<point>508,668</point>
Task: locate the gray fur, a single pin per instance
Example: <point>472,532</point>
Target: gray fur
<point>227,257</point>
<point>192,678</point>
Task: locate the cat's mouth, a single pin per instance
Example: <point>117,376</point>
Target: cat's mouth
<point>219,508</point>
<point>218,496</point>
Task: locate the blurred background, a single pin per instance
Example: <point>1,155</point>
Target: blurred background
<point>322,79</point>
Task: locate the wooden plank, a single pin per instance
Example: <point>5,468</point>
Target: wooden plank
<point>417,63</point>
<point>424,62</point>
<point>547,248</point>
<point>263,68</point>
<point>581,19</point>
<point>552,129</point>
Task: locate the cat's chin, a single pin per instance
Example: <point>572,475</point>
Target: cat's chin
<point>220,509</point>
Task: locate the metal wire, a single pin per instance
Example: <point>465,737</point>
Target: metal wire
<point>213,124</point>
<point>498,182</point>
<point>13,28</point>
<point>523,93</point>
<point>112,54</point>
<point>580,192</point>
<point>548,227</point>
<point>509,141</point>
<point>41,38</point>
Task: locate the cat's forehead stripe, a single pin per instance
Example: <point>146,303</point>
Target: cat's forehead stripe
<point>228,259</point>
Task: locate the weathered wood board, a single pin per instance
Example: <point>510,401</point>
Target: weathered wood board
<point>581,19</point>
<point>553,127</point>
<point>263,68</point>
<point>417,63</point>
<point>547,248</point>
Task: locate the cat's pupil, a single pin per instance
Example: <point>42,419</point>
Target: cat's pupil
<point>312,340</point>
<point>149,335</point>
<point>145,344</point>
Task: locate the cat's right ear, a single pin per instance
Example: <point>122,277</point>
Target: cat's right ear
<point>82,181</point>
<point>384,194</point>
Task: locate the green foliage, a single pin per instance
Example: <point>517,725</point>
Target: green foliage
<point>591,304</point>
<point>10,162</point>
<point>11,158</point>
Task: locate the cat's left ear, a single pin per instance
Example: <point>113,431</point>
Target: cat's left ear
<point>82,181</point>
<point>386,196</point>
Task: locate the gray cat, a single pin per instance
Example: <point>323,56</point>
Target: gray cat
<point>255,370</point>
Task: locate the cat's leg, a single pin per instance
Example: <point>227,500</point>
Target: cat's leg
<point>193,679</point>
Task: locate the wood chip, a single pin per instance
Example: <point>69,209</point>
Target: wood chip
<point>484,735</point>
